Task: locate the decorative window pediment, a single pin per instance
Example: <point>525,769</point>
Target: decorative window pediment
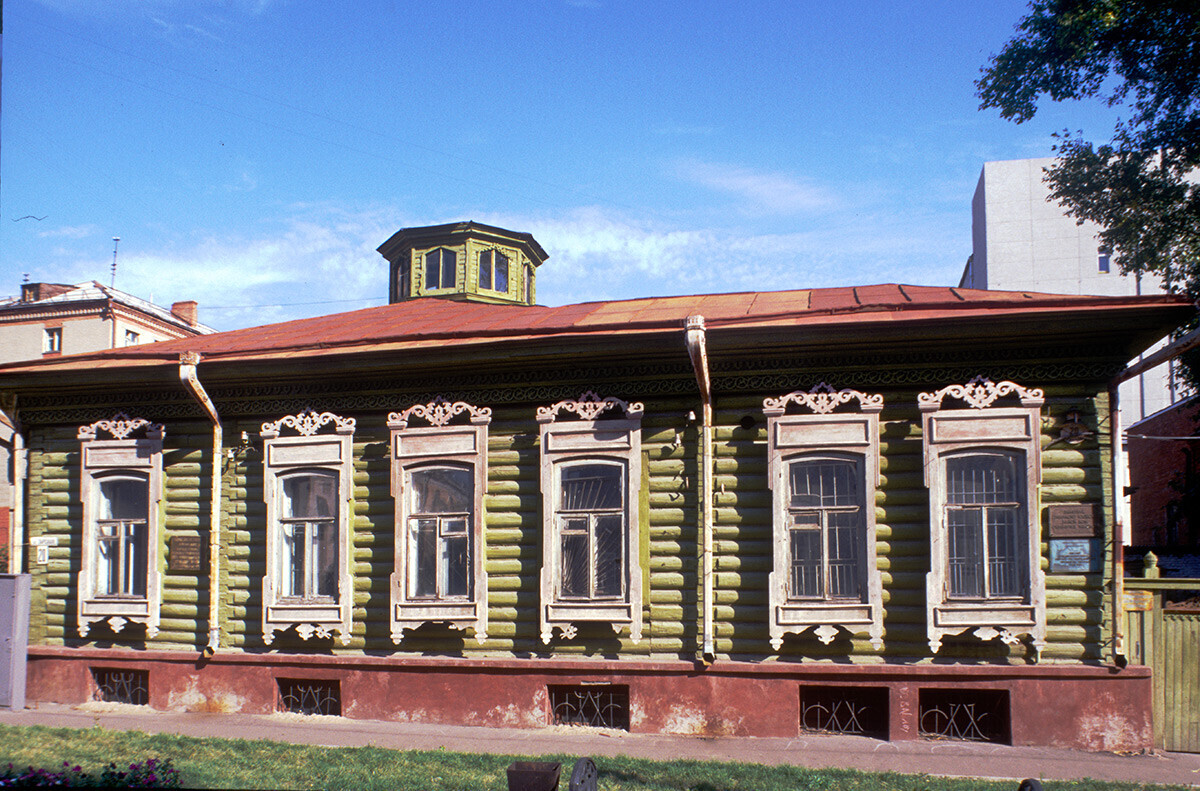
<point>982,469</point>
<point>591,477</point>
<point>121,487</point>
<point>823,470</point>
<point>439,477</point>
<point>307,462</point>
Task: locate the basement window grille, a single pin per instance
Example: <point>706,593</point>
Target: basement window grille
<point>856,711</point>
<point>591,705</point>
<point>116,685</point>
<point>309,696</point>
<point>973,715</point>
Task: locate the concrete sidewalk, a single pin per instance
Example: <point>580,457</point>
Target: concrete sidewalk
<point>850,752</point>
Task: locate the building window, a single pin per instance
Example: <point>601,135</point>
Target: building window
<point>982,461</point>
<point>493,271</point>
<point>121,489</point>
<point>404,279</point>
<point>529,285</point>
<point>307,485</point>
<point>823,471</point>
<point>131,338</point>
<point>439,475</point>
<point>52,340</point>
<point>591,490</point>
<point>441,266</point>
<point>1103,261</point>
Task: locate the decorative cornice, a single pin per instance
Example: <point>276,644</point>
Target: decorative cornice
<point>120,427</point>
<point>823,399</point>
<point>439,412</point>
<point>589,406</point>
<point>980,393</point>
<point>307,423</point>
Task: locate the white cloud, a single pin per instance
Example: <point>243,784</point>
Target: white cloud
<point>69,232</point>
<point>759,191</point>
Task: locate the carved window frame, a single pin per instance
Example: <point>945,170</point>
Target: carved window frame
<point>566,443</point>
<point>979,426</point>
<point>123,456</point>
<point>820,432</point>
<point>315,443</point>
<point>439,445</point>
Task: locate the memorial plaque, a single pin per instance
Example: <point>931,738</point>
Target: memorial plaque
<point>1075,555</point>
<point>1139,601</point>
<point>1075,521</point>
<point>184,553</point>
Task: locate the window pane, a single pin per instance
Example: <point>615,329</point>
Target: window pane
<point>981,478</point>
<point>589,487</point>
<point>291,577</point>
<point>108,571</point>
<point>824,483</point>
<point>575,564</point>
<point>457,572</point>
<point>1004,553</point>
<point>124,498</point>
<point>806,555</point>
<point>135,560</point>
<point>501,272</point>
<point>609,569</point>
<point>449,265</point>
<point>485,269</point>
<point>325,554</point>
<point>433,269</point>
<point>425,557</point>
<point>442,490</point>
<point>844,566</point>
<point>965,550</point>
<point>309,496</point>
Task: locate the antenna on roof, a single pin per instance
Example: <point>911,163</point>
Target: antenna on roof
<point>113,282</point>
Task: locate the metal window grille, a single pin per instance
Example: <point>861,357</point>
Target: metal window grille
<point>116,685</point>
<point>857,711</point>
<point>592,705</point>
<point>974,715</point>
<point>309,696</point>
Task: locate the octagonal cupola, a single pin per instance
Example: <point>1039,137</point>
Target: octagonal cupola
<point>463,261</point>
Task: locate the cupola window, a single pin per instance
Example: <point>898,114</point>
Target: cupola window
<point>493,270</point>
<point>440,266</point>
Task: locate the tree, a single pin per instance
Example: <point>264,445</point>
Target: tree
<point>1143,186</point>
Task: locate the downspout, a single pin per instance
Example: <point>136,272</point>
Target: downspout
<point>1118,552</point>
<point>698,350</point>
<point>20,472</point>
<point>187,374</point>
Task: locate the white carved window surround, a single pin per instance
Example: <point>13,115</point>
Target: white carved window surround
<point>121,486</point>
<point>823,470</point>
<point>982,469</point>
<point>439,477</point>
<point>307,466</point>
<point>591,474</point>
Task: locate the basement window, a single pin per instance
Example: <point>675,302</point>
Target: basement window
<point>309,696</point>
<point>590,705</point>
<point>118,685</point>
<point>854,711</point>
<point>973,715</point>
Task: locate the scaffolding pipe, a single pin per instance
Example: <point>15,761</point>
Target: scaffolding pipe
<point>697,344</point>
<point>187,375</point>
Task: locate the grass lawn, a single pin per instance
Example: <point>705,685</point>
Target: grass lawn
<point>239,763</point>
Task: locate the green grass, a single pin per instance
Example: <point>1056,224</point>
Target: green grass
<point>239,763</point>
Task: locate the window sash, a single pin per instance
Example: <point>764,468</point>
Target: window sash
<point>309,560</point>
<point>121,558</point>
<point>591,531</point>
<point>439,557</point>
<point>984,509</point>
<point>825,533</point>
<point>440,268</point>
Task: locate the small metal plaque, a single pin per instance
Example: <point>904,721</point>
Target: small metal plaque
<point>1075,555</point>
<point>1139,601</point>
<point>1075,521</point>
<point>184,553</point>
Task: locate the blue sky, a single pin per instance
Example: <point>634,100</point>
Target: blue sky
<point>252,154</point>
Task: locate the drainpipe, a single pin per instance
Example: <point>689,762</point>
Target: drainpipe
<point>1118,552</point>
<point>20,470</point>
<point>698,350</point>
<point>187,374</point>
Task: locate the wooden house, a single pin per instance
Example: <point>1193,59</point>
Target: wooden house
<point>883,510</point>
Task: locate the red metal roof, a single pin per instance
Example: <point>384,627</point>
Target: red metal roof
<point>431,321</point>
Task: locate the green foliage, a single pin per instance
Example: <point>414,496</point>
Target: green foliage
<point>238,763</point>
<point>1140,186</point>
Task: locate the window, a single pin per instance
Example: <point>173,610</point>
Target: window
<point>131,338</point>
<point>493,271</point>
<point>307,487</point>
<point>1103,261</point>
<point>52,340</point>
<point>981,464</point>
<point>529,285</point>
<point>439,475</point>
<point>591,481</point>
<point>404,279</point>
<point>823,471</point>
<point>121,488</point>
<point>440,268</point>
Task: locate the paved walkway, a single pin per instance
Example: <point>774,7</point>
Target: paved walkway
<point>851,752</point>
